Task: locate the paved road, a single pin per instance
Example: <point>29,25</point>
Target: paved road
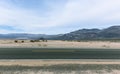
<point>58,53</point>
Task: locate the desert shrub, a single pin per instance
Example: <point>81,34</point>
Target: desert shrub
<point>32,41</point>
<point>45,45</point>
<point>36,40</point>
<point>22,41</point>
<point>16,41</point>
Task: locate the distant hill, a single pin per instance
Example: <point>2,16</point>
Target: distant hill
<point>25,36</point>
<point>112,32</point>
<point>108,33</point>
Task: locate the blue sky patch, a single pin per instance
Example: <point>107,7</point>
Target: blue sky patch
<point>57,16</point>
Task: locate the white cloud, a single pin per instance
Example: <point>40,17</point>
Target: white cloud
<point>63,13</point>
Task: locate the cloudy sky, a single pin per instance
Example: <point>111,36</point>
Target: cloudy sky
<point>57,16</point>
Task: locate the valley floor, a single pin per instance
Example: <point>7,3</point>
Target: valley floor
<point>60,66</point>
<point>61,44</point>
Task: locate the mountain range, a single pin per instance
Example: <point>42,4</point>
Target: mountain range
<point>112,32</point>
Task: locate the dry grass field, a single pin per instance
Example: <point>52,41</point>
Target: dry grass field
<point>61,44</point>
<point>59,66</point>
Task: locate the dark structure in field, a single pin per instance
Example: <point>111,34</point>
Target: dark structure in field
<point>16,41</point>
<point>39,40</point>
<point>22,40</point>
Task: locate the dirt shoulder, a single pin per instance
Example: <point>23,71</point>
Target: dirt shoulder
<point>56,62</point>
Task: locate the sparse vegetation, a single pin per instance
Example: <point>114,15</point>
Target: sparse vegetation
<point>32,41</point>
<point>16,41</point>
<point>87,40</point>
<point>61,69</point>
<point>45,45</point>
<point>22,41</point>
<point>19,41</point>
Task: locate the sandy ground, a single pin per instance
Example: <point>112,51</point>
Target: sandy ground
<point>56,62</point>
<point>61,44</point>
<point>49,62</point>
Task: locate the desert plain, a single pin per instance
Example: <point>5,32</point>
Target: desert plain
<point>60,44</point>
<point>60,66</point>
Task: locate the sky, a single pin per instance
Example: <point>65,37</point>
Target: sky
<point>57,16</point>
